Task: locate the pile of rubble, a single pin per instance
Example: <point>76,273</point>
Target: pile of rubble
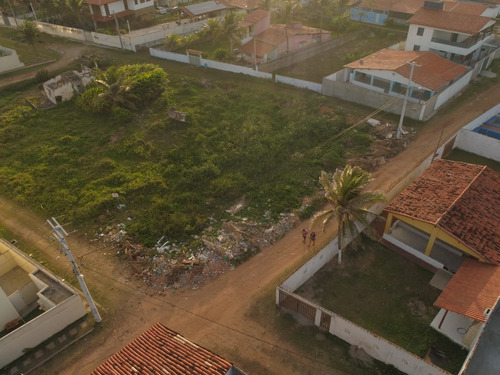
<point>384,146</point>
<point>170,265</point>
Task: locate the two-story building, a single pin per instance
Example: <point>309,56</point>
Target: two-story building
<point>105,10</point>
<point>460,32</point>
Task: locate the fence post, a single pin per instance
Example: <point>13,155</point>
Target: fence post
<point>317,318</point>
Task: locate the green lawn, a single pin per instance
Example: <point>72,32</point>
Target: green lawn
<point>386,294</point>
<point>11,38</point>
<point>244,138</point>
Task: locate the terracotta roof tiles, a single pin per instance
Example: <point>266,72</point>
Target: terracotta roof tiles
<point>433,73</point>
<point>255,17</point>
<point>473,289</point>
<point>451,21</point>
<point>461,199</point>
<point>160,350</point>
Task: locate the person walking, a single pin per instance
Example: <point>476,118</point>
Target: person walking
<point>312,238</point>
<point>304,234</point>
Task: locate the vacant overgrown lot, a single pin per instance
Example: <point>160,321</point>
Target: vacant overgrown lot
<point>386,294</point>
<point>243,138</point>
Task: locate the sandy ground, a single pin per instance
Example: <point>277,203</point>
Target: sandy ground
<point>217,315</point>
<point>68,55</point>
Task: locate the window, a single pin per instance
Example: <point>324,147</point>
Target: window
<point>420,31</point>
<point>416,47</point>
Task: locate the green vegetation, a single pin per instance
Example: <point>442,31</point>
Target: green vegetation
<point>242,138</point>
<point>388,295</point>
<point>14,39</point>
<point>371,39</point>
<point>467,157</point>
<point>330,354</point>
<point>345,192</point>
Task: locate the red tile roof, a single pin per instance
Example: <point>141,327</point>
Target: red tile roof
<point>160,350</point>
<point>465,8</point>
<point>434,71</point>
<point>255,17</point>
<point>461,199</point>
<point>244,4</point>
<point>473,289</point>
<point>451,21</point>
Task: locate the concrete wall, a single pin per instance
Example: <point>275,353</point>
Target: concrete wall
<point>210,64</point>
<point>452,90</point>
<point>374,345</point>
<point>9,60</point>
<point>40,329</point>
<point>479,144</point>
<point>62,31</point>
<point>313,86</point>
<point>7,312</point>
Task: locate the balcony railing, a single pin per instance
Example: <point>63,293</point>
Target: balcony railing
<point>467,43</point>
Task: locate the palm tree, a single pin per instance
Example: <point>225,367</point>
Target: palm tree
<point>31,34</point>
<point>213,29</point>
<point>322,5</point>
<point>231,27</point>
<point>118,89</point>
<point>287,11</point>
<point>75,10</point>
<point>345,192</point>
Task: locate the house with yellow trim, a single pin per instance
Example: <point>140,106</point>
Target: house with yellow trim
<point>452,211</point>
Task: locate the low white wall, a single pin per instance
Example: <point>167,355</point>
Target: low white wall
<point>10,61</point>
<point>451,91</point>
<point>40,329</point>
<point>210,64</point>
<point>313,86</point>
<point>375,346</point>
<point>61,31</point>
<point>476,143</point>
<point>412,251</point>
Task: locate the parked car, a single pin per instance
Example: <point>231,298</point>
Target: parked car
<point>161,10</point>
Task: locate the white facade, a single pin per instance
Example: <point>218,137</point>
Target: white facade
<point>62,87</point>
<point>25,287</point>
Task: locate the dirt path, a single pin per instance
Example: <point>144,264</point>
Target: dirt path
<point>68,55</point>
<point>217,315</point>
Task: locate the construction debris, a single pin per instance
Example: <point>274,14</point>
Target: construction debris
<point>170,265</point>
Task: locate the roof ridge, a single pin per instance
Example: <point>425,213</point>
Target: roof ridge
<point>460,195</point>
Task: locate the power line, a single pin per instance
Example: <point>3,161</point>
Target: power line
<point>174,306</point>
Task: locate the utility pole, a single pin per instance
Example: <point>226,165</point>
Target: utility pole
<point>400,125</point>
<point>118,30</point>
<point>59,234</point>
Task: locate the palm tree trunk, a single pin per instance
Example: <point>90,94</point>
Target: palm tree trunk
<point>339,242</point>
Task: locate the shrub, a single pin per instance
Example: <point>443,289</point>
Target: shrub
<point>90,101</point>
<point>41,76</point>
<point>221,54</point>
<point>122,115</point>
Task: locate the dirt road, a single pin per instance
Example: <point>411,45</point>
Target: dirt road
<point>216,315</point>
<point>68,55</point>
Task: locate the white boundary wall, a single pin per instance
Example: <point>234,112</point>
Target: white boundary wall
<point>377,347</point>
<point>451,91</point>
<point>313,86</point>
<point>210,64</point>
<point>476,143</point>
<point>374,345</point>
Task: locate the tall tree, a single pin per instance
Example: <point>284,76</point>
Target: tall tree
<point>213,29</point>
<point>31,34</point>
<point>75,10</point>
<point>118,88</point>
<point>322,6</point>
<point>346,193</point>
<point>231,27</point>
<point>287,11</point>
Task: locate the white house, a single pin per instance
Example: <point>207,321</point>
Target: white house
<point>381,78</point>
<point>460,32</point>
<point>34,305</point>
<point>106,10</point>
<point>63,86</point>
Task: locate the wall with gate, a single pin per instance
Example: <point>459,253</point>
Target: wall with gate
<point>374,345</point>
